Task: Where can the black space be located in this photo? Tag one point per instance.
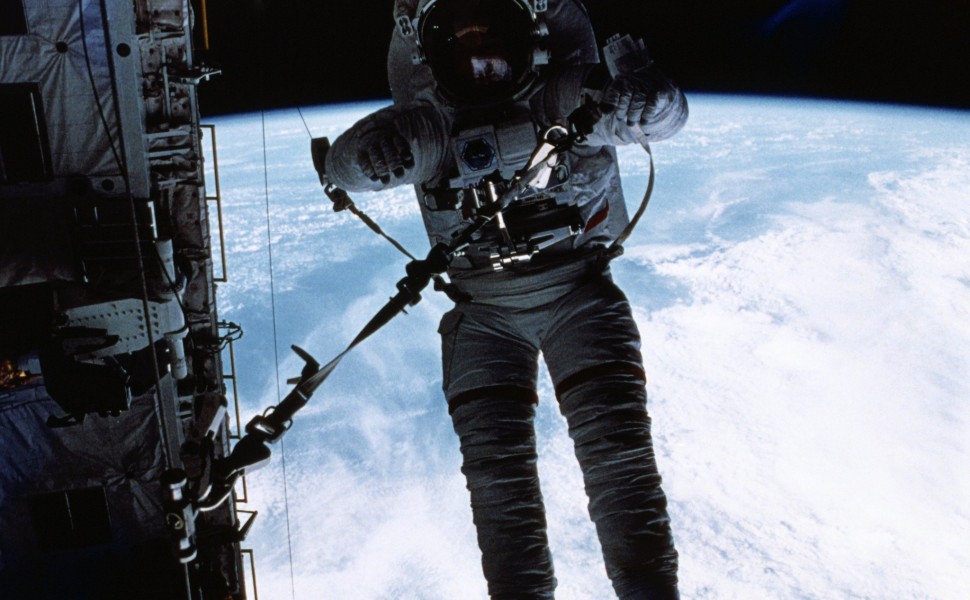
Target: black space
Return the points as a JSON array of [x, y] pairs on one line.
[[284, 53]]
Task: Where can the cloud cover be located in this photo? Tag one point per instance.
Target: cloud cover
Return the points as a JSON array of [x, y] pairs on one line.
[[802, 285]]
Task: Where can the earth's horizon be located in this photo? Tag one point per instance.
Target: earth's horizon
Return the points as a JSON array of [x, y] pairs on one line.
[[801, 282]]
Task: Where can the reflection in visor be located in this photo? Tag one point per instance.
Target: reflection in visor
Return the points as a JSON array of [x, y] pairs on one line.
[[479, 51], [490, 69]]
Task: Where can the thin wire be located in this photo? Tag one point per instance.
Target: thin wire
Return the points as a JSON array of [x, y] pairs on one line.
[[300, 110], [362, 215], [94, 88], [440, 284], [276, 354]]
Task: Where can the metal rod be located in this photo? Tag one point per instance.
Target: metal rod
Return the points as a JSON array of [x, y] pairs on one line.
[[244, 499], [235, 392], [218, 199], [252, 569]]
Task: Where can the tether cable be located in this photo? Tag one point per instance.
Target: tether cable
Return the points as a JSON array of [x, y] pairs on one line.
[[341, 201], [276, 353], [615, 249], [277, 420], [299, 110]]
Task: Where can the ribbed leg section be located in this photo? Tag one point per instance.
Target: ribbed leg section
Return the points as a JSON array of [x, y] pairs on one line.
[[610, 428], [499, 450]]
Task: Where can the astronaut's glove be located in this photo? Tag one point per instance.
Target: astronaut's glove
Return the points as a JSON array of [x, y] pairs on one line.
[[384, 152], [631, 99]]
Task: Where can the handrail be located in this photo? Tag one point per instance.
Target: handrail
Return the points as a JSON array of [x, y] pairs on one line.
[[252, 569], [218, 200], [244, 499], [235, 416], [235, 394]]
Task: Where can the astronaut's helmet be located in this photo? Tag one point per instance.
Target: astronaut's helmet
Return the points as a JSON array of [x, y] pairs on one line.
[[480, 51]]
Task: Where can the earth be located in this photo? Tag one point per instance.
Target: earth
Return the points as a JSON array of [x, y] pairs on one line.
[[801, 281]]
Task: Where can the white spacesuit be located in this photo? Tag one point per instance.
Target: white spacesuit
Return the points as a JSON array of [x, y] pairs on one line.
[[475, 82]]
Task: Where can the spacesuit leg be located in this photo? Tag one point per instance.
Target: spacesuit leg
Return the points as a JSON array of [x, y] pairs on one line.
[[499, 451], [489, 380], [609, 425], [593, 356]]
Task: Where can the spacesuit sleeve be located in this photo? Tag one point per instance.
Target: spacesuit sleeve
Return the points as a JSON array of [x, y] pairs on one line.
[[420, 124], [569, 89]]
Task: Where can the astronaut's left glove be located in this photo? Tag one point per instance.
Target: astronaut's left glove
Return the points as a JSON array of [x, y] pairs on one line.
[[632, 98], [644, 103]]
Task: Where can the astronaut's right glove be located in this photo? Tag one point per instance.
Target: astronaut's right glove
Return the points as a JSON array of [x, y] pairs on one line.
[[383, 152]]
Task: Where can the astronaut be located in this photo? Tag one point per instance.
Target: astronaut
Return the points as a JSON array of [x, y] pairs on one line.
[[475, 84]]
